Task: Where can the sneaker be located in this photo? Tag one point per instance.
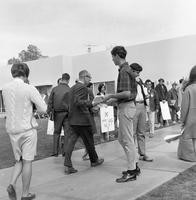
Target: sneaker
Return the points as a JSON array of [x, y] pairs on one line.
[[28, 197], [98, 162]]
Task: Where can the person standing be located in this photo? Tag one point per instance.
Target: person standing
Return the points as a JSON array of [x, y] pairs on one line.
[[58, 107], [80, 120], [125, 96], [187, 144], [139, 121], [152, 106], [173, 102], [19, 98], [162, 94]]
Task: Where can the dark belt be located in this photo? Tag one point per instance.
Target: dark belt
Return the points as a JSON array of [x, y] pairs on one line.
[[139, 102]]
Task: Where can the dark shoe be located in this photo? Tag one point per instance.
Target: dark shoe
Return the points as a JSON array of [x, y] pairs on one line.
[[55, 154], [70, 170], [137, 170], [29, 197], [127, 177], [99, 162], [11, 192], [145, 158]]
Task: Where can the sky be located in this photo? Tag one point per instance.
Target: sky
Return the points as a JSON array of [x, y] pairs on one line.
[[67, 27]]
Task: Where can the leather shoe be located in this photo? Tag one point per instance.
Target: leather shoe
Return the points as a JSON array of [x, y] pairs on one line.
[[28, 197], [98, 162], [127, 177], [137, 171], [11, 192], [70, 170], [145, 158]]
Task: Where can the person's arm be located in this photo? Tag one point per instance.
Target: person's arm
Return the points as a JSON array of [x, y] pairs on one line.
[[185, 106], [50, 102], [37, 100]]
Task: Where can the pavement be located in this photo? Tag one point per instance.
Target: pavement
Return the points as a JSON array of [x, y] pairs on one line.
[[50, 183]]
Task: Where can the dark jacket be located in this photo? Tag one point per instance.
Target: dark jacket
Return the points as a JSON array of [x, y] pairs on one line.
[[173, 95], [162, 92], [79, 105], [58, 100], [153, 100]]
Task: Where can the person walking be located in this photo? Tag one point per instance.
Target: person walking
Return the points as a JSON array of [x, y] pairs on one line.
[[19, 98], [125, 96], [58, 107], [80, 120]]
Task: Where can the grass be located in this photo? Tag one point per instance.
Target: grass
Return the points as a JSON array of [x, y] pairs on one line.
[[181, 187], [44, 145]]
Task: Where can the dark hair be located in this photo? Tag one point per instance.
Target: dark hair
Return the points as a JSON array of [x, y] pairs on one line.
[[65, 76], [100, 86], [58, 81], [147, 81], [136, 67], [192, 77], [181, 80], [20, 69], [161, 79], [120, 51]]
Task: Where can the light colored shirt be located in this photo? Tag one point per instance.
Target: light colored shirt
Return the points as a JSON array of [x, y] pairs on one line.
[[139, 96], [19, 98]]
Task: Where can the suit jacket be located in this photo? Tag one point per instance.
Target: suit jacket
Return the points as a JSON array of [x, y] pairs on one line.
[[79, 105], [153, 100]]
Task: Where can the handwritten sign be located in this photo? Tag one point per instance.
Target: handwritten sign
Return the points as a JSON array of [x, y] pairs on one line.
[[50, 128], [165, 111], [107, 118]]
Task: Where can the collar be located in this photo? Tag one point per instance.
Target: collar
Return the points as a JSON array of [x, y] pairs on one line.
[[123, 65], [18, 80]]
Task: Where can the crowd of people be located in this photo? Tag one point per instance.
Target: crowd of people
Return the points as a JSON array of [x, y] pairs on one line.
[[73, 109]]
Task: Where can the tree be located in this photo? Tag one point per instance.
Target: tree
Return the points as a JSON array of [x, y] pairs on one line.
[[32, 53], [13, 60]]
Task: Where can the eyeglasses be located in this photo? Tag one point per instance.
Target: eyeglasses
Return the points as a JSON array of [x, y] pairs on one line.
[[88, 76]]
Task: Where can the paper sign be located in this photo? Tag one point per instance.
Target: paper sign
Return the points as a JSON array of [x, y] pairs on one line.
[[107, 118], [165, 111], [50, 128]]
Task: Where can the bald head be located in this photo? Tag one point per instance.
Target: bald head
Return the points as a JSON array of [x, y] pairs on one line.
[[84, 76]]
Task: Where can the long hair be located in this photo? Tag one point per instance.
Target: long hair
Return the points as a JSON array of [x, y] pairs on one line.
[[192, 77]]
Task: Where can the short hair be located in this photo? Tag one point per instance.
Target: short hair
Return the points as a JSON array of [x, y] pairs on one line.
[[20, 69], [65, 76], [181, 80], [58, 81], [100, 86], [161, 79], [120, 51], [83, 73], [147, 81], [136, 67]]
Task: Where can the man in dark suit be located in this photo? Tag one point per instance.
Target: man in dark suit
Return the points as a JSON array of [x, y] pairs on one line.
[[80, 122], [58, 107]]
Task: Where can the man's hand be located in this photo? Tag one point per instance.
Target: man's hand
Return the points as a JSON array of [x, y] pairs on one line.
[[107, 97]]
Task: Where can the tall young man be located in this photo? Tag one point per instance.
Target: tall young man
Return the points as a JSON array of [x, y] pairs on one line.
[[125, 96]]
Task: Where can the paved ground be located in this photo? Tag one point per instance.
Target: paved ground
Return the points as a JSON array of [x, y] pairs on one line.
[[50, 183]]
